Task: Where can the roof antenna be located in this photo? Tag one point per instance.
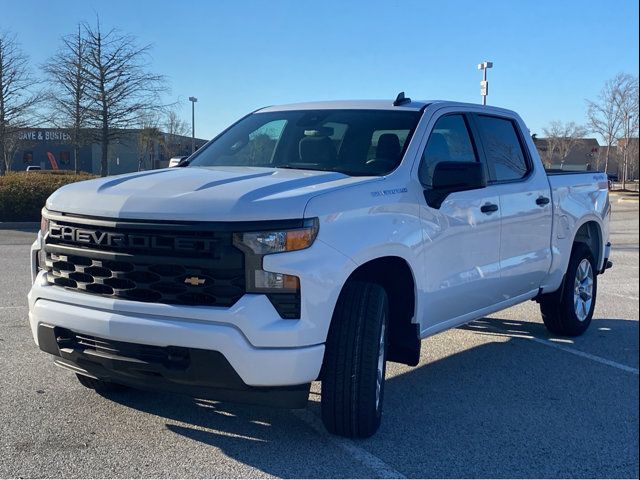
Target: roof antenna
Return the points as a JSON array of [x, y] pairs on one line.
[[401, 100]]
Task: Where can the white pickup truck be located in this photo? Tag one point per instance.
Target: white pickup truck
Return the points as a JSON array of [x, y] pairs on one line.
[[312, 242]]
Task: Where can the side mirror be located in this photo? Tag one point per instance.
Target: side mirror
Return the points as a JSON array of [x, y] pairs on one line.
[[450, 177]]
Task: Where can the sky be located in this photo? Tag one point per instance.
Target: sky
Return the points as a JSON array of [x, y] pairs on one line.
[[237, 56]]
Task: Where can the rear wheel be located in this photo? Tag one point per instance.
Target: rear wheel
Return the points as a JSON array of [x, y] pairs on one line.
[[100, 386], [355, 362], [569, 311]]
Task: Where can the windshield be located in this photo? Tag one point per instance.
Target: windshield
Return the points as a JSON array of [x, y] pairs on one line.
[[353, 142]]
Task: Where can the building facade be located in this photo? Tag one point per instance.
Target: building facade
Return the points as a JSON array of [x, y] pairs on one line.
[[586, 154], [52, 149]]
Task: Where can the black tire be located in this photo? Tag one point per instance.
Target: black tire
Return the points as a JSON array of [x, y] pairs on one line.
[[559, 311], [351, 402], [100, 386]]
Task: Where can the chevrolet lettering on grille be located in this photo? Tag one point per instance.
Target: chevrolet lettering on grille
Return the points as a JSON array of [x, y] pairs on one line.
[[99, 238]]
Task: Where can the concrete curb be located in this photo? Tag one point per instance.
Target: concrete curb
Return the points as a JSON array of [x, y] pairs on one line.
[[19, 225]]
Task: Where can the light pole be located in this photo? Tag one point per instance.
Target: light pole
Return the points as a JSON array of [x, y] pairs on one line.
[[193, 101], [484, 84]]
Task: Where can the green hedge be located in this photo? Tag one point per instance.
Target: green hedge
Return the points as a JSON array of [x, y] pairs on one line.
[[23, 194]]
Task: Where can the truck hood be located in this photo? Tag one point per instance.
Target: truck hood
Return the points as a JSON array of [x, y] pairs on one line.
[[200, 194]]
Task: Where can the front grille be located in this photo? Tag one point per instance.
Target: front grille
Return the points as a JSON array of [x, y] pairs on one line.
[[160, 275]]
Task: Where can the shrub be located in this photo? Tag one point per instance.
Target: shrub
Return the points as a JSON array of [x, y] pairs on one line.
[[23, 194]]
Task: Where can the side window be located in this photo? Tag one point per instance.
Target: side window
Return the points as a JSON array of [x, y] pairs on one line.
[[449, 141], [502, 148]]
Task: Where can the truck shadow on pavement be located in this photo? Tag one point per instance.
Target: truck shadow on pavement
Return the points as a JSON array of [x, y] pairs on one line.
[[507, 407]]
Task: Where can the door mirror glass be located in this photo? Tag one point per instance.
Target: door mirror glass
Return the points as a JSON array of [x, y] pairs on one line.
[[450, 177]]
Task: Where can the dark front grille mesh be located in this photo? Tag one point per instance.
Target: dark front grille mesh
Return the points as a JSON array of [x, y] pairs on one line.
[[213, 278], [146, 282]]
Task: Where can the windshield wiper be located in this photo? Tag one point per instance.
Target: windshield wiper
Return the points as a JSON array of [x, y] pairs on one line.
[[316, 169]]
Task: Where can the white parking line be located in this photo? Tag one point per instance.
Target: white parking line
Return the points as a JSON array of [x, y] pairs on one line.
[[623, 296], [13, 308], [382, 469], [564, 348], [582, 354]]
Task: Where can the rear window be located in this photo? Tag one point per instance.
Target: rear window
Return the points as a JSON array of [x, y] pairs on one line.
[[503, 149], [354, 142]]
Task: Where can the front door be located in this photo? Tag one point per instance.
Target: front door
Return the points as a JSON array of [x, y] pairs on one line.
[[462, 247]]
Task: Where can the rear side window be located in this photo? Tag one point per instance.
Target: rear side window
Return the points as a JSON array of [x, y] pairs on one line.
[[503, 149], [449, 141]]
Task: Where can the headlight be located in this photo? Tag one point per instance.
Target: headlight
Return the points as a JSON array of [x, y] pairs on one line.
[[256, 245], [264, 243], [276, 282], [42, 260], [44, 225], [44, 229]]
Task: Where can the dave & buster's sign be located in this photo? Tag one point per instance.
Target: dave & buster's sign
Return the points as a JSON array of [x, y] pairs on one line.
[[44, 135]]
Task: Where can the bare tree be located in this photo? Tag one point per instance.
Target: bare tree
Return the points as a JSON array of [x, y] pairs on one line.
[[546, 148], [633, 152], [67, 96], [175, 130], [18, 97], [12, 143], [149, 139], [604, 118], [626, 101], [121, 88], [561, 138]]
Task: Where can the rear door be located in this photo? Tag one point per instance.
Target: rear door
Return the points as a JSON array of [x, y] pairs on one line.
[[525, 204], [462, 247]]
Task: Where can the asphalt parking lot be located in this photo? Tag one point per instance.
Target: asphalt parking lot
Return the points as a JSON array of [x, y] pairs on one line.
[[496, 398]]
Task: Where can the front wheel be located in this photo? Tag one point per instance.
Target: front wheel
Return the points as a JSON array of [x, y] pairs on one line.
[[569, 311], [355, 361]]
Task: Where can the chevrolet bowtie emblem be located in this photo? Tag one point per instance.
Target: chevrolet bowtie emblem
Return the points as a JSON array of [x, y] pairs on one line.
[[194, 281]]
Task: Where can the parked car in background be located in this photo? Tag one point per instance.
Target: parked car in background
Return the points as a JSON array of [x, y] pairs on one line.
[[175, 161], [312, 242], [34, 168]]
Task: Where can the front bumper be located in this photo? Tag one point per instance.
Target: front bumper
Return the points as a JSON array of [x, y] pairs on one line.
[[256, 366], [196, 372]]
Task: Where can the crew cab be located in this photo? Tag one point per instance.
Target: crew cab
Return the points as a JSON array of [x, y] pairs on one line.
[[314, 241]]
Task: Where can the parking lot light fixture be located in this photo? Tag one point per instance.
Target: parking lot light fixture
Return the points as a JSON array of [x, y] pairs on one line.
[[193, 101], [484, 84]]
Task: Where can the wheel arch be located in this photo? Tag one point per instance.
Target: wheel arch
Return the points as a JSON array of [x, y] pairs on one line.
[[590, 233], [394, 274]]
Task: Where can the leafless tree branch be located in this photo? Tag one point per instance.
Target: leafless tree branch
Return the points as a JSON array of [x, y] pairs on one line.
[[120, 87], [19, 97]]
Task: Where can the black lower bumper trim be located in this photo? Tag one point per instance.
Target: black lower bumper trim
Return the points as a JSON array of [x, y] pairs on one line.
[[191, 371]]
